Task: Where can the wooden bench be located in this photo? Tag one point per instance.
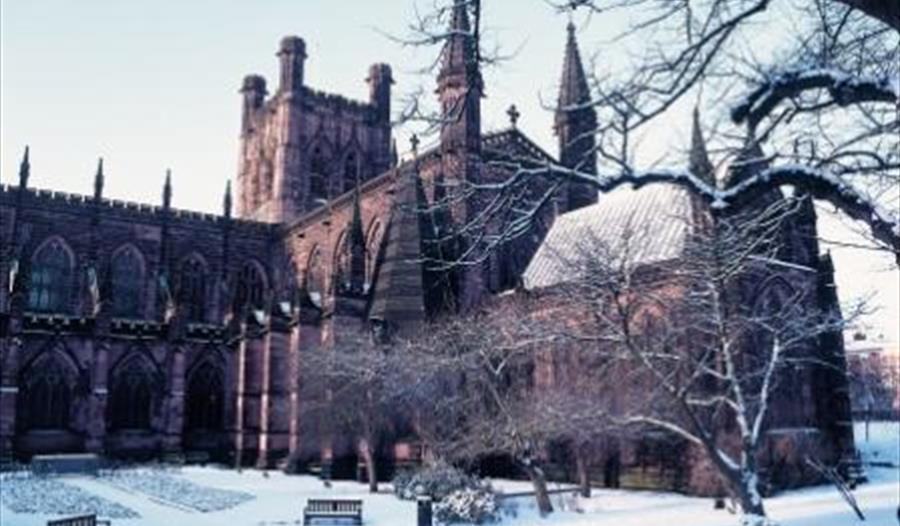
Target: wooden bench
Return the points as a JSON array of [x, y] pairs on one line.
[[81, 520], [332, 509]]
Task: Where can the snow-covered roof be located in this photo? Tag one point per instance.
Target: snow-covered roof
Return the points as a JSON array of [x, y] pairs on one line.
[[651, 224]]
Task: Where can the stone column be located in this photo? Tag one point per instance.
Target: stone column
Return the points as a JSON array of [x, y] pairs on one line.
[[294, 390], [239, 366], [174, 406], [306, 337], [247, 410], [96, 431], [10, 351], [274, 429]]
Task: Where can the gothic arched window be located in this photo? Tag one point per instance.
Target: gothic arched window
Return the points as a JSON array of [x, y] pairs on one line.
[[205, 399], [192, 290], [46, 396], [127, 283], [266, 174], [314, 280], [342, 263], [351, 171], [51, 278], [131, 396], [250, 289], [318, 177], [373, 240]]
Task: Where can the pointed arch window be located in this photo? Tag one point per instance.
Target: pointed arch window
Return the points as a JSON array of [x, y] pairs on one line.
[[267, 174], [192, 290], [314, 280], [317, 175], [250, 289], [342, 263], [127, 283], [351, 171], [373, 241], [205, 399], [131, 397], [51, 277], [46, 396]]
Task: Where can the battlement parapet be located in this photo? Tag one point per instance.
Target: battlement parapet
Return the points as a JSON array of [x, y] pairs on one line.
[[337, 103], [126, 210]]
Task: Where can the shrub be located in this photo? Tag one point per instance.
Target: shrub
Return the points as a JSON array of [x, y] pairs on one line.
[[477, 506], [436, 481]]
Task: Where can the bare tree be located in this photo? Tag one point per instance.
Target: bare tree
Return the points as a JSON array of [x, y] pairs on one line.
[[354, 388], [708, 359], [823, 103], [823, 106], [483, 372]]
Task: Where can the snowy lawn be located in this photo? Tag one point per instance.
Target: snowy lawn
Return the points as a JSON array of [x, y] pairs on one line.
[[173, 490], [21, 493], [253, 498]]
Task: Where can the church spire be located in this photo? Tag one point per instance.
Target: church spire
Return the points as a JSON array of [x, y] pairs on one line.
[[460, 84], [573, 87], [398, 304], [459, 51], [698, 160], [575, 126]]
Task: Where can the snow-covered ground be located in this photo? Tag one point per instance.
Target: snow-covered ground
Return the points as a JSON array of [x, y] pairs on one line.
[[254, 498]]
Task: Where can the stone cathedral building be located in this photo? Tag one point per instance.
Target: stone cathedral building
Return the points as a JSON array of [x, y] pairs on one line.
[[134, 329]]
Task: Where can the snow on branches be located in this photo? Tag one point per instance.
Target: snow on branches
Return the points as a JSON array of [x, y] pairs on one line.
[[844, 90]]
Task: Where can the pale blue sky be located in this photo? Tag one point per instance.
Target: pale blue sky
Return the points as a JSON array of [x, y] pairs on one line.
[[150, 85]]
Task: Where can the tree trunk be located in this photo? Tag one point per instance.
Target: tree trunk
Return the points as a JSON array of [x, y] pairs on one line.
[[744, 483], [369, 460], [582, 471], [751, 500], [539, 481], [754, 514]]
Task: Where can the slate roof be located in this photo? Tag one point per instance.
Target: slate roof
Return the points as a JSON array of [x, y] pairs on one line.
[[655, 220], [398, 298]]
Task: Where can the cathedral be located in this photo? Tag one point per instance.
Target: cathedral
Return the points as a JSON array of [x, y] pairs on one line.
[[139, 330]]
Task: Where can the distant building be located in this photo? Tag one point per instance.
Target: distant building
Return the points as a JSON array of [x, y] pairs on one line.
[[873, 365]]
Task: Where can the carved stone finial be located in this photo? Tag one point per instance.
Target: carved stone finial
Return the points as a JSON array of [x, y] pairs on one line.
[[24, 170], [226, 201], [98, 181], [167, 190], [394, 156]]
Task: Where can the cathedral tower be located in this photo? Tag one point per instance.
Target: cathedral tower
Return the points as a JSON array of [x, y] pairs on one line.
[[301, 148]]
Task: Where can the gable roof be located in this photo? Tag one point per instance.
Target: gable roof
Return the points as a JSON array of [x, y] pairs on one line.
[[652, 223]]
